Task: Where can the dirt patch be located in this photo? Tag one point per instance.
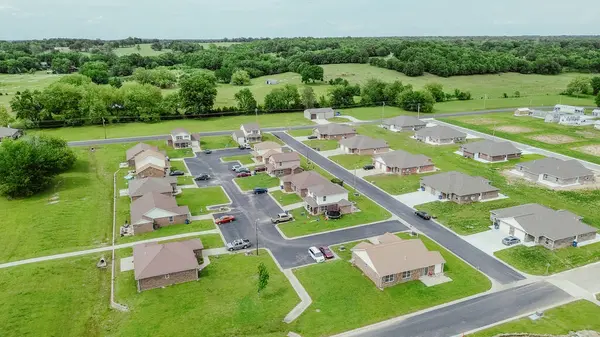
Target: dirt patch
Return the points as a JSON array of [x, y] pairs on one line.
[[514, 129], [587, 134], [553, 139], [480, 121], [594, 150]]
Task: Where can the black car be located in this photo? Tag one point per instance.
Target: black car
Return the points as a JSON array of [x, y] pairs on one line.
[[423, 215], [176, 173], [260, 190], [368, 167], [207, 151], [311, 137], [202, 176]]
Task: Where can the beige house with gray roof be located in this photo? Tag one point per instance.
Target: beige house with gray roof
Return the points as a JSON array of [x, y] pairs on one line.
[[555, 172], [137, 149], [458, 187], [404, 123], [364, 145], [491, 151], [541, 225], [140, 187], [327, 197], [281, 164], [300, 182], [402, 162], [334, 131], [155, 210], [440, 135]]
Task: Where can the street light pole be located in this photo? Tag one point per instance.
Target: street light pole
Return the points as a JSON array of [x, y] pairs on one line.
[[418, 110], [256, 230], [382, 112], [256, 114], [104, 126]]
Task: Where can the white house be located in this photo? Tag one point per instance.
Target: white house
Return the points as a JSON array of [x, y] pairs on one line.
[[248, 133], [523, 112], [181, 138], [596, 112], [569, 109], [327, 197], [320, 113]]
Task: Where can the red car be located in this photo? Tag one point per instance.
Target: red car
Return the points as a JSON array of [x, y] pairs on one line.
[[260, 168], [243, 174], [326, 252], [224, 219]]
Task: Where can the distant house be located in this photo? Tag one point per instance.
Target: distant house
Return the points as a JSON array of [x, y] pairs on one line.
[[150, 163], [569, 109], [402, 162], [491, 151], [9, 133], [248, 133], [280, 164], [596, 112], [263, 148], [158, 265], [541, 225], [440, 135], [181, 139], [334, 131], [523, 112], [327, 197], [155, 210], [553, 171], [140, 187], [321, 113], [364, 145], [404, 123], [137, 149], [271, 81], [458, 187], [300, 182], [392, 260]]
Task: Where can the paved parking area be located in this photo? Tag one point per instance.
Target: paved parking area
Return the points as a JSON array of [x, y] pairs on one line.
[[488, 241], [416, 198]]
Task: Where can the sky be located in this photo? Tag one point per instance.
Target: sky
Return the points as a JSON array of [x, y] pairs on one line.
[[203, 19]]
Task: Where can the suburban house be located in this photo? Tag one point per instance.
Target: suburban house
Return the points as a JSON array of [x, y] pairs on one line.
[[137, 149], [9, 133], [158, 265], [140, 187], [403, 163], [155, 210], [248, 133], [392, 260], [280, 164], [541, 225], [596, 113], [181, 139], [491, 151], [300, 182], [263, 148], [364, 145], [553, 171], [404, 123], [440, 135], [150, 163], [458, 187], [320, 113], [523, 112], [334, 131], [569, 109], [327, 197]]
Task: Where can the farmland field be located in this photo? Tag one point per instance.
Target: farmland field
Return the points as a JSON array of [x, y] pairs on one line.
[[10, 84]]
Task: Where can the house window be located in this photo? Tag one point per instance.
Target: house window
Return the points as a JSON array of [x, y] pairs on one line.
[[388, 278], [170, 219], [179, 138], [167, 276], [324, 198], [405, 275], [281, 164]]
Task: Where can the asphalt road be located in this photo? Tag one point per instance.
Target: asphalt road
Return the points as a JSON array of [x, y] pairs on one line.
[[255, 211], [487, 264], [465, 316]]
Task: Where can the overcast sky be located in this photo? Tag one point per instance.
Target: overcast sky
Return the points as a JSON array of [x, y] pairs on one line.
[[173, 19]]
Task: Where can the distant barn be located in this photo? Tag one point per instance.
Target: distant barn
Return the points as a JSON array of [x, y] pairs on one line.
[[272, 82]]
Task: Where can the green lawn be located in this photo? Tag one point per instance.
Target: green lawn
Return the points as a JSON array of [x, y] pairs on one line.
[[301, 132], [144, 50], [259, 180], [171, 152], [575, 316], [212, 241], [244, 159], [268, 137], [322, 144], [396, 184], [198, 199], [223, 302], [374, 113], [11, 83], [286, 198], [352, 161], [194, 226], [217, 142], [67, 297], [533, 260], [336, 286], [185, 180], [178, 166]]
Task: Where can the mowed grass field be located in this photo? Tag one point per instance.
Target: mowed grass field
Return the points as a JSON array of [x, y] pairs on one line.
[[11, 83]]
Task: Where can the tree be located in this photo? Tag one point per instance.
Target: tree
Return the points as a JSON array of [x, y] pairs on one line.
[[29, 165], [115, 82], [143, 101], [342, 95], [517, 94], [198, 93], [598, 100], [373, 92], [263, 277], [462, 95], [171, 104], [311, 73], [421, 101], [240, 77], [308, 97], [245, 100], [5, 117], [61, 65], [285, 98], [137, 47], [414, 68], [595, 83], [75, 79], [97, 71], [156, 46], [28, 106], [580, 85], [437, 91]]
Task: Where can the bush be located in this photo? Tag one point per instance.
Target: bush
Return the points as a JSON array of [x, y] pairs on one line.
[[240, 77]]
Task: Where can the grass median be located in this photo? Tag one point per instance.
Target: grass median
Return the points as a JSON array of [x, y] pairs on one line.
[[199, 199], [244, 159], [322, 144], [262, 180], [285, 199]]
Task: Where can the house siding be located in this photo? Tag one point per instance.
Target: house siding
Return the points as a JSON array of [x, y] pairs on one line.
[[166, 280], [336, 137], [151, 172], [462, 199], [143, 228], [177, 220]]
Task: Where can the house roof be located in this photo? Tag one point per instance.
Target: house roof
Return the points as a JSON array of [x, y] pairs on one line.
[[238, 134], [403, 159], [155, 259], [335, 129], [150, 157], [458, 183], [404, 121], [268, 145], [564, 169], [251, 126], [163, 205], [319, 110], [150, 153], [284, 157], [538, 220], [139, 148], [440, 132], [305, 179], [491, 148], [139, 187], [326, 188], [178, 131], [363, 143], [396, 256], [7, 132], [269, 153]]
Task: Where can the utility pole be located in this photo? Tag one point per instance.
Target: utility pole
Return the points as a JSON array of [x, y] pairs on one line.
[[382, 112], [256, 114], [256, 230], [418, 110], [484, 101], [104, 126]]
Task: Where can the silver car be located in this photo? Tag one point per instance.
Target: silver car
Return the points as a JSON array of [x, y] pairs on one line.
[[510, 240]]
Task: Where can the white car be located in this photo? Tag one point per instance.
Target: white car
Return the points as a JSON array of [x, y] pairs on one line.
[[235, 167], [316, 254]]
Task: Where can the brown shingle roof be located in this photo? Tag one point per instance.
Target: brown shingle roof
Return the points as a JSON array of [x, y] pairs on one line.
[[305, 179], [154, 259], [139, 148], [268, 145], [140, 208], [150, 152], [139, 187], [251, 126], [363, 143], [326, 188]]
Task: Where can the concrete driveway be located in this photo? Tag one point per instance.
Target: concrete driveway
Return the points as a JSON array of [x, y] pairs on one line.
[[416, 198], [489, 241]]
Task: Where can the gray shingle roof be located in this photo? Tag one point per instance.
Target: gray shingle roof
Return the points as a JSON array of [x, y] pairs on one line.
[[335, 129], [327, 188], [363, 143], [139, 148], [405, 121], [440, 132], [491, 148], [538, 220], [285, 157], [403, 159], [458, 183], [7, 132], [251, 126], [139, 187], [319, 110], [154, 259], [564, 169]]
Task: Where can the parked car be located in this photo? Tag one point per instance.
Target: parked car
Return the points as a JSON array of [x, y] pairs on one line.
[[368, 167], [202, 176], [238, 244], [282, 217], [244, 147], [312, 137], [423, 215], [260, 190], [235, 167], [332, 215], [260, 168], [316, 254], [224, 219], [326, 252], [243, 174], [176, 173], [207, 151], [510, 240], [242, 169]]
